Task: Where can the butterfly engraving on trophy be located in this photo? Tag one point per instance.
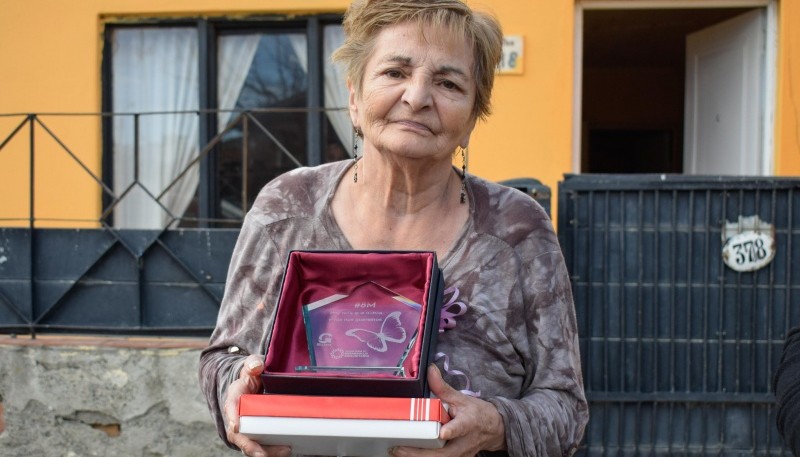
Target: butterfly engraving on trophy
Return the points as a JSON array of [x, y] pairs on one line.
[[368, 329], [391, 331]]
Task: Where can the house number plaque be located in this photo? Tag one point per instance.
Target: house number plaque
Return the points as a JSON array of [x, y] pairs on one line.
[[749, 250]]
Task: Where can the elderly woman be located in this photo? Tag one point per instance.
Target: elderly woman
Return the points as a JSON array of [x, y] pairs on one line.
[[420, 73]]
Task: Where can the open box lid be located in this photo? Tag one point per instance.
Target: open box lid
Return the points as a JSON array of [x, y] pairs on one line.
[[313, 277]]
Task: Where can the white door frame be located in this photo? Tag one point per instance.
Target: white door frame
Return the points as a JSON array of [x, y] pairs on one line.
[[770, 72]]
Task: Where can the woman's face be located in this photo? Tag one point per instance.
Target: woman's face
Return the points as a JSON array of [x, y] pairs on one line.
[[417, 93]]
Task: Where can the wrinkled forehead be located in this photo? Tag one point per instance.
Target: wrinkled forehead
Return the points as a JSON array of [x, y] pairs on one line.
[[448, 33], [426, 36]]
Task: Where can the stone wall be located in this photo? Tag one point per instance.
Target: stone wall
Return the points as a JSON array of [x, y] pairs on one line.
[[75, 397]]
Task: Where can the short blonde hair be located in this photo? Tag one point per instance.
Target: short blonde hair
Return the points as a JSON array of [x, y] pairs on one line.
[[364, 19]]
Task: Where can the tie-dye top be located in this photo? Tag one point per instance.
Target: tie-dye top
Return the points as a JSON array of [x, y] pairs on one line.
[[509, 331]]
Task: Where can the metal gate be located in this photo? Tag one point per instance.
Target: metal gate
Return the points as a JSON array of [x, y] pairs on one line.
[[678, 349], [161, 282]]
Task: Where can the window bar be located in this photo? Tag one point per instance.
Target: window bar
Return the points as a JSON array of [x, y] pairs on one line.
[[689, 315], [136, 148], [788, 296], [673, 236], [621, 309], [208, 200], [704, 414], [656, 283], [769, 319], [245, 161], [606, 315], [654, 329], [589, 284], [754, 293], [790, 233], [606, 291], [771, 296], [31, 208], [314, 100], [721, 332], [721, 421], [690, 285], [738, 325], [139, 261], [594, 340], [672, 322], [754, 333], [31, 132], [637, 433]]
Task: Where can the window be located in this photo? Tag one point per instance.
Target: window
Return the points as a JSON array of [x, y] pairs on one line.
[[206, 112]]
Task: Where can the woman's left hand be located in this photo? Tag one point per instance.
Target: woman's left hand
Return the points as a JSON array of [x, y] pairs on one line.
[[475, 424]]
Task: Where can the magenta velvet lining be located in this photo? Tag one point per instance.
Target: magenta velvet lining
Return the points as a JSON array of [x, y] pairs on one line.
[[311, 276]]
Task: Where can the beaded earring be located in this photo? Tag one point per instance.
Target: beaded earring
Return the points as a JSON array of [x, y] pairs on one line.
[[463, 175], [357, 134]]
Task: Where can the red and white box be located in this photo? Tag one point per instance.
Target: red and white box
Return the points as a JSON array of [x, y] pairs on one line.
[[342, 426]]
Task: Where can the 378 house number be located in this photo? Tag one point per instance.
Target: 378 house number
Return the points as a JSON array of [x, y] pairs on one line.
[[748, 251]]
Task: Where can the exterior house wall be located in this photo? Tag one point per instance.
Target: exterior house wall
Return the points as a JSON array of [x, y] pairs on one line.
[[51, 53]]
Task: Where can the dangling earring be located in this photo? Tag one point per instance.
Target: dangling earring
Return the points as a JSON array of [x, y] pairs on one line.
[[357, 135], [463, 175]]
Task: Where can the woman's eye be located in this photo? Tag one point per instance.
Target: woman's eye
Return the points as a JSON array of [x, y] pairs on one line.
[[393, 73], [447, 84]]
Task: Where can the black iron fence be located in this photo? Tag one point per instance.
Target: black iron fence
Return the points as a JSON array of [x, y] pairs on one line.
[[678, 347], [110, 278]]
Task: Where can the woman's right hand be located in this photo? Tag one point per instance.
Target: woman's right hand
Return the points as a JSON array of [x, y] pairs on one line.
[[249, 382]]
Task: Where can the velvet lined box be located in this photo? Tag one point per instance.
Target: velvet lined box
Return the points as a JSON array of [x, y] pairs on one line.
[[313, 276], [345, 426]]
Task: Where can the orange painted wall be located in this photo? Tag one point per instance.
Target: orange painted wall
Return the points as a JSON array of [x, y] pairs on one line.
[[787, 116], [50, 55], [530, 131]]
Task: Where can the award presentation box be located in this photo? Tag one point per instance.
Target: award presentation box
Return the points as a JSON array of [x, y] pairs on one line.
[[351, 426], [313, 277]]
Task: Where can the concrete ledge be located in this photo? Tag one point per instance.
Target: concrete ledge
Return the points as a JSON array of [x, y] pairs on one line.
[[96, 396], [104, 341]]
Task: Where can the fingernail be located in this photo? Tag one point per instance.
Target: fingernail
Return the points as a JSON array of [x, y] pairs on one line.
[[253, 364]]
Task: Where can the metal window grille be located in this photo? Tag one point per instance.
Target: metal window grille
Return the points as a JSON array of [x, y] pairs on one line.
[[678, 350]]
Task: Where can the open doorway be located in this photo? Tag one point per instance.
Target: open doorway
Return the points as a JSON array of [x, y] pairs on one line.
[[633, 112]]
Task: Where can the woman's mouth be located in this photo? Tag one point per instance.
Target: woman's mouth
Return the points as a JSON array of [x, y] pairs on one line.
[[413, 125]]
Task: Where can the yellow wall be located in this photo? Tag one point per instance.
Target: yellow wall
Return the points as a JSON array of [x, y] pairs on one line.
[[787, 128], [51, 55], [529, 133]]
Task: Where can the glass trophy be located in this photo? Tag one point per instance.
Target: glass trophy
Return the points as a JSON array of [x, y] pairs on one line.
[[369, 330]]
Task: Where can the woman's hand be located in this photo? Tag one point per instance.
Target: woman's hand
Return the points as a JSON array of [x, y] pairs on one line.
[[249, 382], [475, 425]]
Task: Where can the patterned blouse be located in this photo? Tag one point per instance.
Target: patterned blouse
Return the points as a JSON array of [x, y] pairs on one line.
[[508, 328]]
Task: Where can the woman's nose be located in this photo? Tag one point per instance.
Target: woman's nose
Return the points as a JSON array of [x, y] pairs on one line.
[[417, 93]]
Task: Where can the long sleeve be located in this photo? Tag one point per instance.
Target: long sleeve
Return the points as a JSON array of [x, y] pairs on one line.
[[551, 413], [787, 392], [514, 340]]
